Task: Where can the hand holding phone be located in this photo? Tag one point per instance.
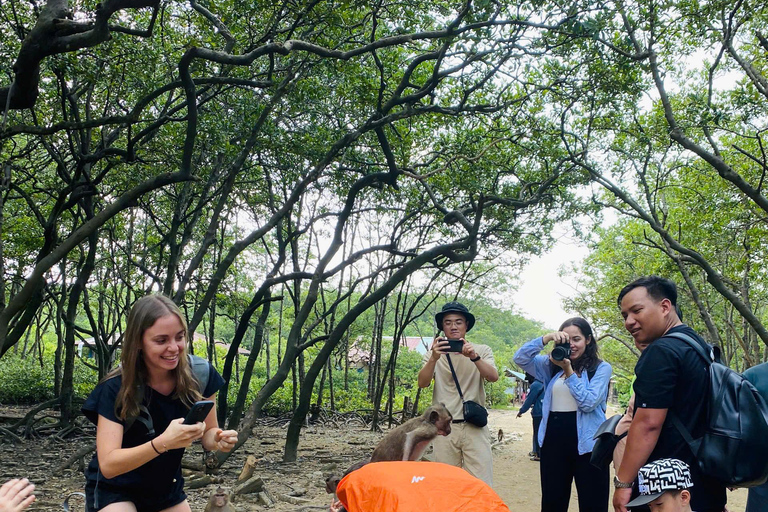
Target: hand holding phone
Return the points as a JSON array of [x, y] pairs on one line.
[[455, 345], [198, 412]]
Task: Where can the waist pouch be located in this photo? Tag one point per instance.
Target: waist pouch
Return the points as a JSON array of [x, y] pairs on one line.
[[475, 413], [605, 442]]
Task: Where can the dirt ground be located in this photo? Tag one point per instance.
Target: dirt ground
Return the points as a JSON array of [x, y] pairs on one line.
[[324, 448]]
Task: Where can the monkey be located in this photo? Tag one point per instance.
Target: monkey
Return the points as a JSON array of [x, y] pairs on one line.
[[333, 481], [219, 501], [501, 435], [409, 440], [406, 442]]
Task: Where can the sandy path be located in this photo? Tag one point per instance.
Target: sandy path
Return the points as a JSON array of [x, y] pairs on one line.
[[516, 477]]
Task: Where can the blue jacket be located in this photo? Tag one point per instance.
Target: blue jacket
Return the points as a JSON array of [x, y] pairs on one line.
[[534, 398], [591, 396], [758, 496]]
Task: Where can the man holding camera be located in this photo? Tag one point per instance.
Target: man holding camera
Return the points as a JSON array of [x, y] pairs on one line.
[[468, 365]]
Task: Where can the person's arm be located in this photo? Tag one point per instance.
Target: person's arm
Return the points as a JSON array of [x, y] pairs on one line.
[[621, 428], [115, 460], [427, 372], [487, 370], [641, 440], [484, 364], [594, 395], [527, 357], [215, 438], [533, 395]]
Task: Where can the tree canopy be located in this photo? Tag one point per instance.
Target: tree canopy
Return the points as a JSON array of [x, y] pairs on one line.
[[335, 158]]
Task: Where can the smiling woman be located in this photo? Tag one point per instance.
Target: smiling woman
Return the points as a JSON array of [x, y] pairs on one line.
[[134, 468], [162, 343], [575, 394]]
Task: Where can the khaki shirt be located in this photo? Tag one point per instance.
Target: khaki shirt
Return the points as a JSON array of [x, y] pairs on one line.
[[472, 385]]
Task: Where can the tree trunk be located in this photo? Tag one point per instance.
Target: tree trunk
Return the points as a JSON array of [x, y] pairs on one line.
[[57, 359], [331, 394], [67, 385], [242, 394]]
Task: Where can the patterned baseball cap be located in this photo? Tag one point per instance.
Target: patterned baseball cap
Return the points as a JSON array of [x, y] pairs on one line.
[[660, 476]]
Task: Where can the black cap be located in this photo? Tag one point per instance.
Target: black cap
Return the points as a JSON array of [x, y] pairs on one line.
[[455, 307]]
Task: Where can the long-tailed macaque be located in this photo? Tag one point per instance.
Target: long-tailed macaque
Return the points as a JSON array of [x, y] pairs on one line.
[[409, 440], [219, 502], [406, 442]]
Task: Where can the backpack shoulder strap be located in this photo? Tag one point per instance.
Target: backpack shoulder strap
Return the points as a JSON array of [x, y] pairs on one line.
[[143, 416], [201, 370], [708, 358]]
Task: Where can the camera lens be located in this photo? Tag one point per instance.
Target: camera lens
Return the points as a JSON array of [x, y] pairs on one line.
[[561, 351]]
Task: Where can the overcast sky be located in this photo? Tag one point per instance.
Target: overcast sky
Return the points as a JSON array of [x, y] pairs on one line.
[[539, 296]]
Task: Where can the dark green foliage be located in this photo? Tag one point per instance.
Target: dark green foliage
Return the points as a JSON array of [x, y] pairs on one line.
[[22, 381]]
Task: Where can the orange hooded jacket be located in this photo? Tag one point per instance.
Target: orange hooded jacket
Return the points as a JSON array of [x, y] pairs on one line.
[[413, 486]]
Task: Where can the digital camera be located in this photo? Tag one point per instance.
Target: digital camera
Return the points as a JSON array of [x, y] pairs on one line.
[[561, 351]]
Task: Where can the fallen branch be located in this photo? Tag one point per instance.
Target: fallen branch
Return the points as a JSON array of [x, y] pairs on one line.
[[203, 481]]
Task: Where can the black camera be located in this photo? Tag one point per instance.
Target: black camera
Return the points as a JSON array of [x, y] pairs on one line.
[[561, 351]]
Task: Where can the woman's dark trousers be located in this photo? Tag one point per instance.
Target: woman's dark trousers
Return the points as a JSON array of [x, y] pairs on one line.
[[561, 464]]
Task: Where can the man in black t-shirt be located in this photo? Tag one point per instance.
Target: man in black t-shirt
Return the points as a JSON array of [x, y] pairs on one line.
[[671, 379]]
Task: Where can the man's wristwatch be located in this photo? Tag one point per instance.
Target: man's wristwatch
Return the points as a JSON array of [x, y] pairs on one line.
[[475, 359], [618, 484]]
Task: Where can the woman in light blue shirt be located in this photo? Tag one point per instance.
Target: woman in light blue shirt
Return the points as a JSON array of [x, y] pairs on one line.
[[573, 408]]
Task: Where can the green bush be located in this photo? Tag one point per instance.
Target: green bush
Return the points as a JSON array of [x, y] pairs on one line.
[[22, 381], [280, 402], [495, 395], [84, 380]]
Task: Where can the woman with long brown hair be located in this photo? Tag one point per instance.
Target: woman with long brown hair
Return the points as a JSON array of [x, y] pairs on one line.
[[575, 394], [139, 411]]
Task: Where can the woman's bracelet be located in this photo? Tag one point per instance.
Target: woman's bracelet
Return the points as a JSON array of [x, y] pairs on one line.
[[151, 442]]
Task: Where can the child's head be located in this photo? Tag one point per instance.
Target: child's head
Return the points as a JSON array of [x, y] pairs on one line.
[[664, 486], [672, 501]]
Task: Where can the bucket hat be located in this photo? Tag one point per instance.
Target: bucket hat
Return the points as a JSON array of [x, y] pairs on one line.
[[660, 476], [455, 307]]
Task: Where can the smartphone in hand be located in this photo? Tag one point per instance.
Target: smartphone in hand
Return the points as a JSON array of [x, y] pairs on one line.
[[456, 345], [198, 412]]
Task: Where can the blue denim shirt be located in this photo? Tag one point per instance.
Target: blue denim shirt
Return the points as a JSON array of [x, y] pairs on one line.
[[591, 396]]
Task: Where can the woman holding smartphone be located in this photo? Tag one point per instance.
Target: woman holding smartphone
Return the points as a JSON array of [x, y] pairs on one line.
[[575, 394], [139, 411]]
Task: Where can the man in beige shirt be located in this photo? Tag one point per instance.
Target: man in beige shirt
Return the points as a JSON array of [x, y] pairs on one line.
[[468, 446]]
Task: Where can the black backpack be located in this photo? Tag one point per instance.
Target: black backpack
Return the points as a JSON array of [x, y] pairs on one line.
[[734, 447]]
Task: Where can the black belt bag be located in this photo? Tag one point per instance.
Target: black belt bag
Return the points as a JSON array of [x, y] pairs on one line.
[[474, 413], [605, 442]]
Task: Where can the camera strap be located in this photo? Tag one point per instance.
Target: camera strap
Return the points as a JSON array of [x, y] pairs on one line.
[[455, 379]]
